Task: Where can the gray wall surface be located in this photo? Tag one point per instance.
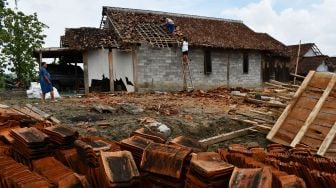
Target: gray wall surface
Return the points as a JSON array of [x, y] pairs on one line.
[[160, 69]]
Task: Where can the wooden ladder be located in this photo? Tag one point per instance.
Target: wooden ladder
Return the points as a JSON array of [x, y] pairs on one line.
[[187, 79]]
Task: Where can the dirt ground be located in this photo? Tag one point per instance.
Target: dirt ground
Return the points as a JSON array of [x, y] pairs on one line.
[[197, 114]]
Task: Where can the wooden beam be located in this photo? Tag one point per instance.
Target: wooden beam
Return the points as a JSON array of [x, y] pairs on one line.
[[135, 69], [290, 106], [226, 136], [38, 111], [297, 61], [256, 117], [327, 141], [314, 112], [86, 72], [256, 101], [296, 75], [111, 75]]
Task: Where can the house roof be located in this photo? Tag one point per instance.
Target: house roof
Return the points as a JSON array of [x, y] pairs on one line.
[[293, 52], [201, 31], [87, 38], [293, 49], [310, 63]]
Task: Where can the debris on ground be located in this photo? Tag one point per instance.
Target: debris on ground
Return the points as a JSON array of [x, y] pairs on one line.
[[211, 140]]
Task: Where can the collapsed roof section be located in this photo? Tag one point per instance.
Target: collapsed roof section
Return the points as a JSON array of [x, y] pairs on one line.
[[88, 38], [200, 31]]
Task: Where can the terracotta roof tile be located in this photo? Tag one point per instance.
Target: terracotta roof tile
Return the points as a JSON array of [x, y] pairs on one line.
[[201, 31], [88, 38]]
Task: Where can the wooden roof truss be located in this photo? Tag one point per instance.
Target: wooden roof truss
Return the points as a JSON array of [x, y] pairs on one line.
[[155, 35]]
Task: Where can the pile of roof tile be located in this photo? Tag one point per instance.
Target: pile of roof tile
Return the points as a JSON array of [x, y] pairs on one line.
[[190, 143], [118, 169], [30, 142], [316, 171], [89, 150], [303, 166], [58, 174], [251, 177], [136, 145], [207, 169], [14, 174], [61, 136], [166, 164]]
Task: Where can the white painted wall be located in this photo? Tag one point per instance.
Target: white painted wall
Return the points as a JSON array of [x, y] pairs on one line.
[[98, 64], [310, 53], [123, 67]]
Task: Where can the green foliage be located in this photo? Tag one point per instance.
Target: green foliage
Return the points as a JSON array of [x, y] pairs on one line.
[[20, 34]]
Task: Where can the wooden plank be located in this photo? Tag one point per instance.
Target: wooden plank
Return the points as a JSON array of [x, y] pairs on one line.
[[226, 136], [111, 75], [298, 76], [280, 86], [290, 107], [38, 111], [314, 112], [321, 82], [327, 141], [29, 113], [3, 106], [86, 72], [256, 117], [256, 101]]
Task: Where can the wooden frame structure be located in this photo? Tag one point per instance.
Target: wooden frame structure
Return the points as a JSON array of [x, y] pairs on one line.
[[155, 35], [310, 118]]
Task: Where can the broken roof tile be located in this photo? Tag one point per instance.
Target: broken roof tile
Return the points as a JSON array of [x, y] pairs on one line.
[[167, 160], [118, 168], [188, 142]]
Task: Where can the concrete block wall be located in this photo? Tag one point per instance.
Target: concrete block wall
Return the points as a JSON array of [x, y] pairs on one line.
[[237, 75], [160, 69]]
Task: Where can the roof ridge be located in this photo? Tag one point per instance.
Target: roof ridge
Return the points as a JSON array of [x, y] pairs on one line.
[[170, 14]]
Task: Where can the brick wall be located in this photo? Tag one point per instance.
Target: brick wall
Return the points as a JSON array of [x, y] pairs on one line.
[[160, 69]]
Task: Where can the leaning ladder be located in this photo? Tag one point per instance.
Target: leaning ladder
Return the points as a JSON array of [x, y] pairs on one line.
[[187, 79]]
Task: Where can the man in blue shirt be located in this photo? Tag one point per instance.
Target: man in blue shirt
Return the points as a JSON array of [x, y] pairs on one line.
[[45, 82]]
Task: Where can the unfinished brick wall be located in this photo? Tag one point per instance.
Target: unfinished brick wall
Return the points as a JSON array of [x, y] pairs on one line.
[[160, 69]]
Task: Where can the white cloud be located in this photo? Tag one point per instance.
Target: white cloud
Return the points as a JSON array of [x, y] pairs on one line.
[[313, 23]]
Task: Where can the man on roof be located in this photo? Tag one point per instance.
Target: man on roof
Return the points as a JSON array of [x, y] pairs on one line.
[[170, 25]]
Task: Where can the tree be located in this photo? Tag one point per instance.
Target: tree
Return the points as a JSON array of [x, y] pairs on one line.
[[20, 35]]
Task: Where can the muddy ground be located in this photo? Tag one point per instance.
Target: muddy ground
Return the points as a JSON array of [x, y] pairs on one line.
[[199, 114]]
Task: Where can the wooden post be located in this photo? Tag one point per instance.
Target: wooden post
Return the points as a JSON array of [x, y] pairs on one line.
[[313, 114], [135, 68], [86, 72], [111, 76], [40, 58], [228, 72], [297, 61]]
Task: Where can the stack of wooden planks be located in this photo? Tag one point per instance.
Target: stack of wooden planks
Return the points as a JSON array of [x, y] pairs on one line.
[[310, 118]]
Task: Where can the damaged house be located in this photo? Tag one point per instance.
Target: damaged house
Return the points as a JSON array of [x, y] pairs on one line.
[[132, 50], [309, 58]]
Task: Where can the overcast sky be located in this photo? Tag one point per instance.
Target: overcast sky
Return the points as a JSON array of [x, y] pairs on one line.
[[286, 20]]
